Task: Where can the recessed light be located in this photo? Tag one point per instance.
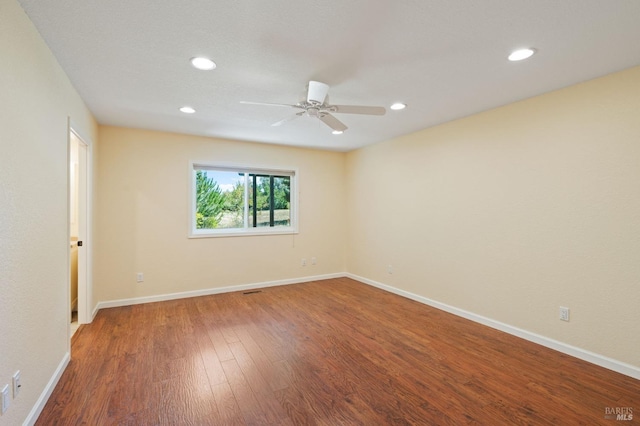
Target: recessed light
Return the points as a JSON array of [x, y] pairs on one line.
[[520, 54], [337, 132], [187, 110], [398, 106], [203, 63]]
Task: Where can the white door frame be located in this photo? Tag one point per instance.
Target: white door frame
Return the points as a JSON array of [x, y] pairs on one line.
[[85, 285]]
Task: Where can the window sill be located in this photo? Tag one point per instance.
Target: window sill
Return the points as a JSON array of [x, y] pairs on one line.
[[241, 232]]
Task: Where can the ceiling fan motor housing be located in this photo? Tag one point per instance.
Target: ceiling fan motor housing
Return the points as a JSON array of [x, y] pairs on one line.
[[317, 92]]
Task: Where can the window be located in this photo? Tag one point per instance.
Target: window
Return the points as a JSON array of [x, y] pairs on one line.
[[242, 201]]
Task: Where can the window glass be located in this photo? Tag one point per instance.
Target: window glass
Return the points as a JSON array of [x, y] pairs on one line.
[[227, 199]]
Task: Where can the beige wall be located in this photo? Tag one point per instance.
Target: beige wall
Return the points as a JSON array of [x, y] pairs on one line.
[[35, 103], [514, 212], [142, 217], [507, 214]]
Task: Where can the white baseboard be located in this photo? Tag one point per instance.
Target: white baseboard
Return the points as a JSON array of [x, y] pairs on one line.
[[48, 390], [94, 313], [585, 355], [209, 291]]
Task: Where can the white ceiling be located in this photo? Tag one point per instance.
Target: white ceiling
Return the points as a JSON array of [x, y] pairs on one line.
[[445, 59]]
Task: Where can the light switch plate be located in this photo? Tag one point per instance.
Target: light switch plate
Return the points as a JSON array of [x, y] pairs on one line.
[[16, 384], [5, 398]]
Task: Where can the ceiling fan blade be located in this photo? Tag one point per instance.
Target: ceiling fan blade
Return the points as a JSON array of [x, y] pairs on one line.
[[357, 109], [332, 122], [286, 120], [317, 92], [270, 104]]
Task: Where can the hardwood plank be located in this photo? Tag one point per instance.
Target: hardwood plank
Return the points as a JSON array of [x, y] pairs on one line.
[[253, 374], [320, 353], [211, 361], [246, 399], [230, 413], [257, 358]]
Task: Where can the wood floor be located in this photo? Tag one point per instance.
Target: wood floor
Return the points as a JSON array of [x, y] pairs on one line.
[[333, 352]]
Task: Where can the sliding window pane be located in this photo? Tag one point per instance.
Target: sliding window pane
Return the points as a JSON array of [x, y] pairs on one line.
[[219, 199], [282, 200]]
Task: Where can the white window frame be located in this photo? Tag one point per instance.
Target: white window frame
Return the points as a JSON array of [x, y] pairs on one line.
[[246, 230]]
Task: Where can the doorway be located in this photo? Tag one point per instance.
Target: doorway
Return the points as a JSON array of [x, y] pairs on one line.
[[79, 294]]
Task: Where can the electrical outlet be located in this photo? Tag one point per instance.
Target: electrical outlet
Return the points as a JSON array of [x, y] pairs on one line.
[[564, 313], [5, 399], [16, 383], [390, 269], [139, 277], [303, 262], [313, 261]]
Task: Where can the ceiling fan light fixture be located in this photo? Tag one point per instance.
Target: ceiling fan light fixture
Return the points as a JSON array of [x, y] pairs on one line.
[[202, 63], [521, 54], [398, 106], [187, 110]]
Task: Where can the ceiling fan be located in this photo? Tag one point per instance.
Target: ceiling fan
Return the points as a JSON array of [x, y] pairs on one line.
[[317, 105]]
